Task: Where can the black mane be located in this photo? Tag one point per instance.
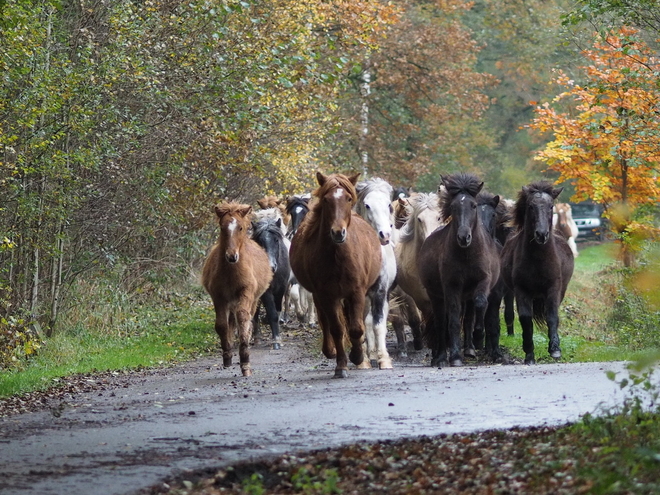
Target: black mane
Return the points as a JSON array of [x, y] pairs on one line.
[[542, 186], [458, 184]]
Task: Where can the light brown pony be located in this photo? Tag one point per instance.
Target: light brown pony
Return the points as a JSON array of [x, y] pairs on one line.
[[236, 273], [335, 255], [274, 202], [564, 224]]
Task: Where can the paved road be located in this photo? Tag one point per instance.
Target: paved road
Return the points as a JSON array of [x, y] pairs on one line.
[[197, 415]]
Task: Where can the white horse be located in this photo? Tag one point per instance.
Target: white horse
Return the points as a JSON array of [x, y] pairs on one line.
[[424, 217], [374, 205], [562, 219]]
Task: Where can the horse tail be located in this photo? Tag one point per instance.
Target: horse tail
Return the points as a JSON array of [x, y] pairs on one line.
[[538, 312], [429, 335]]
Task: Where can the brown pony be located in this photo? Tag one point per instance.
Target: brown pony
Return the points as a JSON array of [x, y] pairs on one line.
[[274, 202], [335, 255], [236, 273]]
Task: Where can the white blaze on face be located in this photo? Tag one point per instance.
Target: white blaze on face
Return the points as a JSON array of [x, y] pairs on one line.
[[298, 209], [232, 226], [338, 193], [463, 199]]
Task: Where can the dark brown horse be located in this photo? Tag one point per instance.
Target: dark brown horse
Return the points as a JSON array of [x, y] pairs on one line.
[[336, 256], [235, 274], [458, 266], [537, 265]]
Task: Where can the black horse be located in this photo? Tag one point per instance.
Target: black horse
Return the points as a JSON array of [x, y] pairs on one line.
[[297, 206], [537, 265], [268, 234], [458, 265], [491, 211]]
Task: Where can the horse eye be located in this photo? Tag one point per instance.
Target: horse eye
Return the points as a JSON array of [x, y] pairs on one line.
[[391, 209], [368, 207]]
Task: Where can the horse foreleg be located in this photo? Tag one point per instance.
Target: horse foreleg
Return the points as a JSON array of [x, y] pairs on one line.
[[552, 319], [396, 318], [453, 312], [492, 325], [225, 332], [470, 331], [328, 348], [437, 329], [415, 323], [525, 312], [509, 313], [244, 323], [370, 356], [329, 313], [380, 312], [354, 317], [480, 307]]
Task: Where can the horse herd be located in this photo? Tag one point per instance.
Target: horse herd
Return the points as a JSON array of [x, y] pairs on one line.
[[446, 259]]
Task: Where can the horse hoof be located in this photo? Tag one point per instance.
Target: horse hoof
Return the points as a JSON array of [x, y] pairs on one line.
[[386, 364], [555, 354], [364, 365], [226, 362], [341, 374], [471, 353], [529, 359], [276, 346], [247, 372], [356, 356], [418, 344], [456, 362]]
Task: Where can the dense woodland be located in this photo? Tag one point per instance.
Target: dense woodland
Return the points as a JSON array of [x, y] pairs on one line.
[[122, 123]]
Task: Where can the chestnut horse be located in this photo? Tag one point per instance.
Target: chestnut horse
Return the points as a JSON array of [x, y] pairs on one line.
[[335, 255], [537, 265], [236, 273]]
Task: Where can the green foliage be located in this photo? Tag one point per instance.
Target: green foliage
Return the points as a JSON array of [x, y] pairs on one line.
[[325, 483], [254, 485]]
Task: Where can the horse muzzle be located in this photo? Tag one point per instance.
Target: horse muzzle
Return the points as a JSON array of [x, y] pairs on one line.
[[231, 258], [541, 237], [464, 239], [338, 237]]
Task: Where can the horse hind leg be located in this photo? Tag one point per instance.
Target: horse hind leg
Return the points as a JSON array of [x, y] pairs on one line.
[[397, 321], [527, 323]]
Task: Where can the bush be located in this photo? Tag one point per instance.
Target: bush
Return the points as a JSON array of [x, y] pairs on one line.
[[18, 341]]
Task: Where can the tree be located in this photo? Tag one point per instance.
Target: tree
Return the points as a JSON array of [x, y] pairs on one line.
[[608, 143]]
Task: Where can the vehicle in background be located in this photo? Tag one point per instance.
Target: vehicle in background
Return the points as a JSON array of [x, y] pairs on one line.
[[589, 219]]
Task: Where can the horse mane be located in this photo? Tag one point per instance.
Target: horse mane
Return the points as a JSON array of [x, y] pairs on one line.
[[376, 184], [520, 209], [456, 184], [234, 209], [267, 224], [332, 181], [267, 213], [297, 200], [417, 203]]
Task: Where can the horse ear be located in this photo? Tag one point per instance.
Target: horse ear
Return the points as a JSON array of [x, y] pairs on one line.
[[321, 179], [263, 204], [245, 211], [480, 187], [556, 192], [279, 223], [496, 201], [354, 178], [219, 210], [402, 201]]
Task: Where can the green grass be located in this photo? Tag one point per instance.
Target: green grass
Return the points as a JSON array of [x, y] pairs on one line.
[[584, 331], [157, 337]]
